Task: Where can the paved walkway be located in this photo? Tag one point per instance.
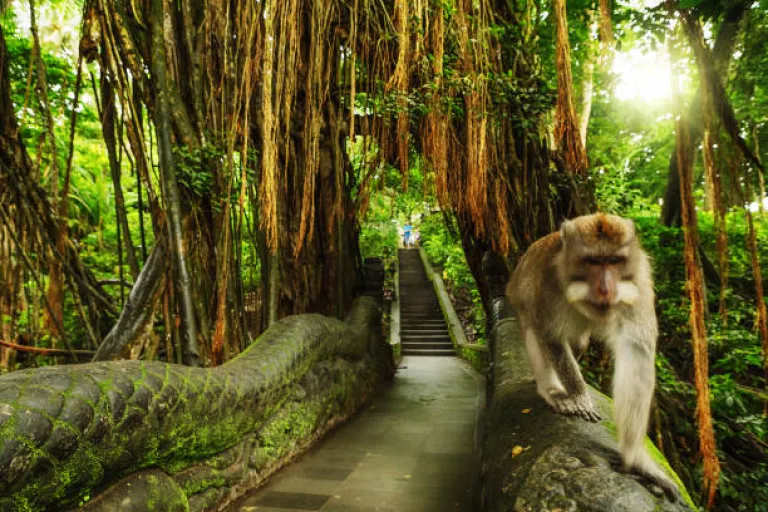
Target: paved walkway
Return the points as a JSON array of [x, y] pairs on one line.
[[411, 450]]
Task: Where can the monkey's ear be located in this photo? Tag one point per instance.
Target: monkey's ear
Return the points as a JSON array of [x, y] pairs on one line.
[[567, 232], [629, 229]]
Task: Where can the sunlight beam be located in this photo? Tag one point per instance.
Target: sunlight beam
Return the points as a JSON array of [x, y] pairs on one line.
[[642, 75]]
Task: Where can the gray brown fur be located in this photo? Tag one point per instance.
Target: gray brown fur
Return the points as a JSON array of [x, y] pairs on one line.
[[556, 330]]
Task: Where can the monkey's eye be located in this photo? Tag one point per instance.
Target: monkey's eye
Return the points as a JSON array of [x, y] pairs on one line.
[[615, 260], [579, 279], [592, 260]]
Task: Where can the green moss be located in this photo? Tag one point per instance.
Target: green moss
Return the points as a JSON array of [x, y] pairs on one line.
[[198, 486], [164, 494], [477, 358], [295, 422]]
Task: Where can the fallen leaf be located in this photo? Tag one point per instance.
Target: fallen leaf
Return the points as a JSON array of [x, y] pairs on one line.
[[517, 450], [526, 411]]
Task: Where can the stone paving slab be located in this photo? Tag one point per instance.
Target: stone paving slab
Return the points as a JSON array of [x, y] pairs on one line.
[[411, 450]]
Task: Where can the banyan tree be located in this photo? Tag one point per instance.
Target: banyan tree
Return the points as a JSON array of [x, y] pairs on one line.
[[236, 119]]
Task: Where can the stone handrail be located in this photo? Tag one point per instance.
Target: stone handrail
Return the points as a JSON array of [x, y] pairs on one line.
[[536, 460], [67, 431], [455, 328], [395, 322], [477, 354]]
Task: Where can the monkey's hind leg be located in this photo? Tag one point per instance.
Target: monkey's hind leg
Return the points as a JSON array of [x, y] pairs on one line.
[[633, 385], [574, 401]]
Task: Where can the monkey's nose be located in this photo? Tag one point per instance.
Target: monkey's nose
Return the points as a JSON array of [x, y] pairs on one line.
[[604, 299]]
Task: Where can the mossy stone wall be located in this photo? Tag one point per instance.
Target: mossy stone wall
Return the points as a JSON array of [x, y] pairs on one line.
[[68, 432]]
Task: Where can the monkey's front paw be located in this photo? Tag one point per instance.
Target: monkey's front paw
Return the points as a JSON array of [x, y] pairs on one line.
[[578, 405]]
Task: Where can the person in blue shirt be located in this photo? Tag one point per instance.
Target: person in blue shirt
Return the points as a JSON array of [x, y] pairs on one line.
[[407, 235]]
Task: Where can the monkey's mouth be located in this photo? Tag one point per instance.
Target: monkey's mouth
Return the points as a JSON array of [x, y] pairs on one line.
[[601, 307]]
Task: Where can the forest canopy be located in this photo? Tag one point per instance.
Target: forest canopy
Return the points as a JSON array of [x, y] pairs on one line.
[[176, 176]]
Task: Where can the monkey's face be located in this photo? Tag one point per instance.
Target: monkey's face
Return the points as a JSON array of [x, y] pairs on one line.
[[598, 264], [600, 283]]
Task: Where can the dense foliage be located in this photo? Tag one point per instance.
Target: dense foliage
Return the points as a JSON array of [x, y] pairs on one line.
[[411, 165]]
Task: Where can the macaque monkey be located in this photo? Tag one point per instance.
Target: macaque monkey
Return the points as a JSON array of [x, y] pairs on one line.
[[592, 279]]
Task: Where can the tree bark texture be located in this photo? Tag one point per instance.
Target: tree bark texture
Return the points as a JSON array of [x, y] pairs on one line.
[[182, 280], [108, 130], [694, 284], [567, 135], [235, 124], [138, 312]]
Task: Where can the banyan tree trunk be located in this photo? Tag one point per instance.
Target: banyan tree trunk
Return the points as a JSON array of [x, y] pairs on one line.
[[231, 123], [182, 280]]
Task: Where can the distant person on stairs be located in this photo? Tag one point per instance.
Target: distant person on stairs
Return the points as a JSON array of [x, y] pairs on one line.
[[407, 235]]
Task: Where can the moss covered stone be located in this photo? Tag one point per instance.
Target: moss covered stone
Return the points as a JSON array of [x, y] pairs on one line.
[[66, 431]]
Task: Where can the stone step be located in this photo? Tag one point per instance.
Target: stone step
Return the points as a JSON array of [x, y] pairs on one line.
[[423, 345], [423, 331], [427, 339], [414, 331], [418, 352]]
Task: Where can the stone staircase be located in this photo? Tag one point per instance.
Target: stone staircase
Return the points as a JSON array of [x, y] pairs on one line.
[[423, 331]]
